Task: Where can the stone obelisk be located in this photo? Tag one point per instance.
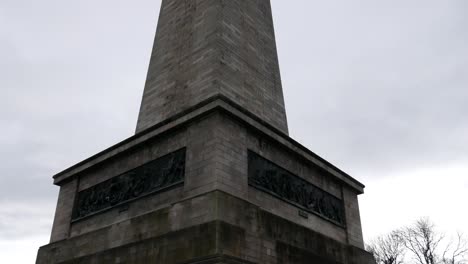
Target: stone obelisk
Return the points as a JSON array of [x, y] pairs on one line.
[[211, 175], [214, 49]]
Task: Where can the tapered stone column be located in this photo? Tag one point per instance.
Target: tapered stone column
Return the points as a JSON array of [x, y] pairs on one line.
[[207, 49]]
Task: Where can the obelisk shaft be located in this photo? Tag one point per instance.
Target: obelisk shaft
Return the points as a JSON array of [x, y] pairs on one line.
[[214, 48]]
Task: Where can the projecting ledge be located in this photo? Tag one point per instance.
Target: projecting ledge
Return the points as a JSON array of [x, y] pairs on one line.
[[192, 114]]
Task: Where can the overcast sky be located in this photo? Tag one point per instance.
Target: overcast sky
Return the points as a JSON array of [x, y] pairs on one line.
[[379, 88]]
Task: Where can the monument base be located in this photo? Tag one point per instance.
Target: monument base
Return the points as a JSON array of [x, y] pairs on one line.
[[187, 191], [242, 233]]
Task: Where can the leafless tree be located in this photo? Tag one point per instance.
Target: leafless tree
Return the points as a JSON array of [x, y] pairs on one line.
[[456, 252], [425, 244], [388, 249], [422, 241]]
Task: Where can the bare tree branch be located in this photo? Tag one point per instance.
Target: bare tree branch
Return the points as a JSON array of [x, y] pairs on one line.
[[388, 249], [457, 254], [422, 241]]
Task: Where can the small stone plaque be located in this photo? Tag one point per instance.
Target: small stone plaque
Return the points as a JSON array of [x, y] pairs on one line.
[[303, 214], [271, 178], [155, 176]]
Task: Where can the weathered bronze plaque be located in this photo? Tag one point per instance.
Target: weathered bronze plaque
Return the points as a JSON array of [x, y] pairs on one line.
[[155, 176], [271, 178]]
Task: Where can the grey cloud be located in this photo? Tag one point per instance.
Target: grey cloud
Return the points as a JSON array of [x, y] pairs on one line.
[[71, 77], [380, 86], [22, 220]]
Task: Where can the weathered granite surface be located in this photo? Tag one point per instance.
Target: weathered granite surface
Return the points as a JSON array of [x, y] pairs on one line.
[[215, 190], [235, 232], [214, 47]]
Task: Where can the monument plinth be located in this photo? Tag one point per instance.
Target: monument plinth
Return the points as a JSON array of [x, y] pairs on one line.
[[211, 176]]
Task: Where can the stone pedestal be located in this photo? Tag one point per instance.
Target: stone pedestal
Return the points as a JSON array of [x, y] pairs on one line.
[[197, 196]]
